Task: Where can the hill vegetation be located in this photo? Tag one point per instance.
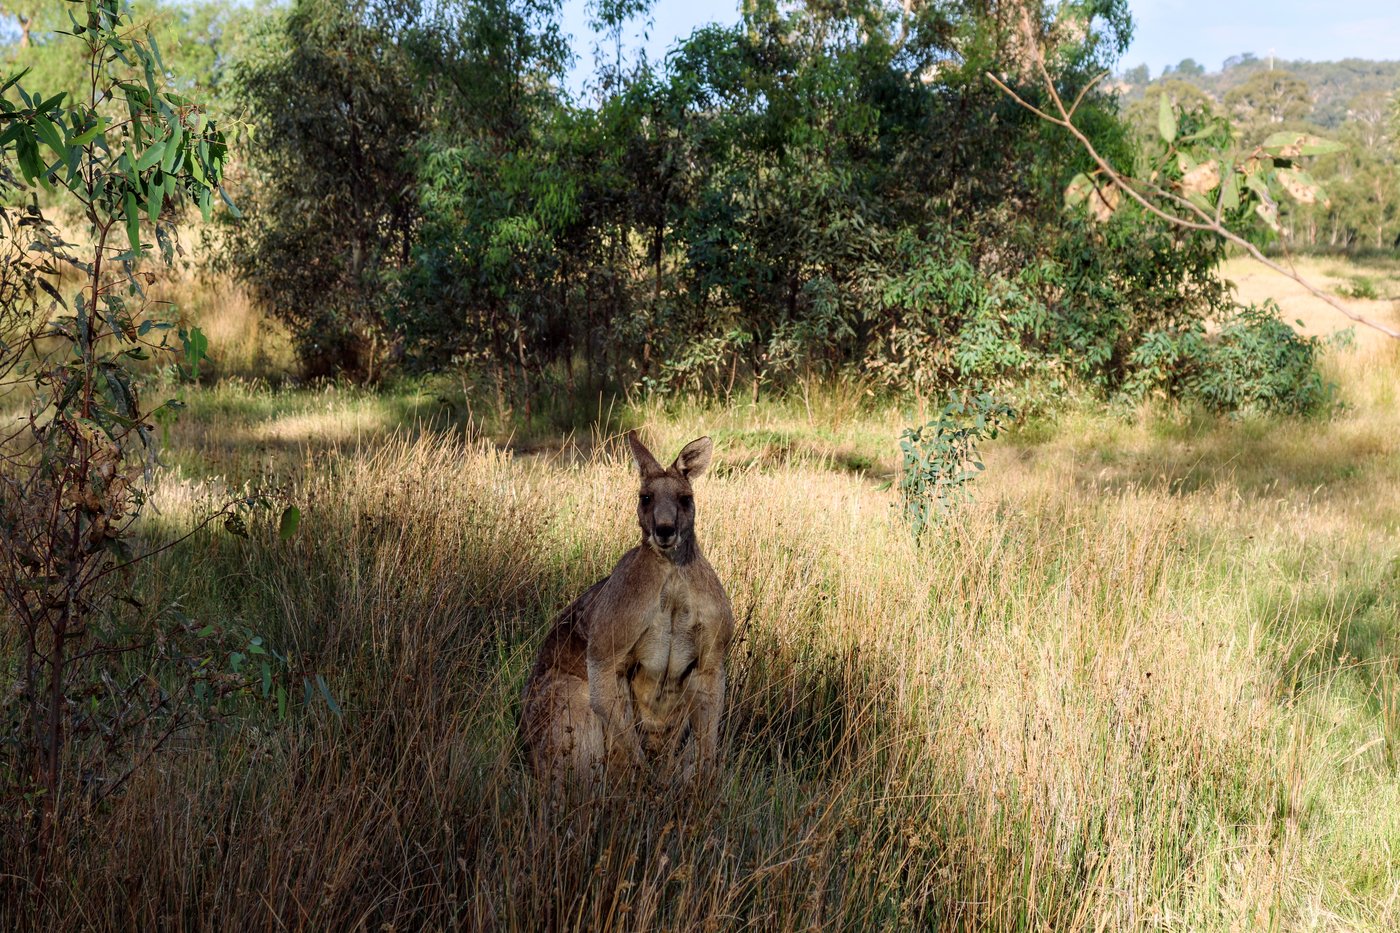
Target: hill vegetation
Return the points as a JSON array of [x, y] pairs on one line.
[[1334, 88]]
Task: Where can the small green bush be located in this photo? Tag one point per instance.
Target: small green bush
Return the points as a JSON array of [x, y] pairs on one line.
[[1361, 286], [941, 459]]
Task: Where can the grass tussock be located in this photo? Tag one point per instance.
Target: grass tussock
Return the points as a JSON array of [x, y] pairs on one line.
[[1149, 679]]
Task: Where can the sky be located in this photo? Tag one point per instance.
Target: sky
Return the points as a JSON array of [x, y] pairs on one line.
[[1165, 31], [670, 20]]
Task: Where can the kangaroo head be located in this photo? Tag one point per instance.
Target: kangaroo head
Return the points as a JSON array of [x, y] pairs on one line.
[[665, 503]]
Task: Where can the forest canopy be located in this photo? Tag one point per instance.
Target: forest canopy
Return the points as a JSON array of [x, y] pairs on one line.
[[816, 189]]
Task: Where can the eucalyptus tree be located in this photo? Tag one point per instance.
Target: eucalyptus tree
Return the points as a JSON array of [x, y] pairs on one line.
[[76, 461], [330, 190]]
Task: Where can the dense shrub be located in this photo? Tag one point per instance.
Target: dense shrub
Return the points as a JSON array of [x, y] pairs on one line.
[[821, 189], [1254, 362], [329, 199]]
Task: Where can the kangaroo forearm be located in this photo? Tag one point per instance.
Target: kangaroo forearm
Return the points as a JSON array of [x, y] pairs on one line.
[[613, 706], [706, 707], [616, 718]]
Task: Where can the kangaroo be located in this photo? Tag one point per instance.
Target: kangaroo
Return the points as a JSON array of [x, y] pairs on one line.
[[631, 675]]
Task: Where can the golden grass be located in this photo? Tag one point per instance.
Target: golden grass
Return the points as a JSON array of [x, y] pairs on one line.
[[243, 341], [1148, 680]]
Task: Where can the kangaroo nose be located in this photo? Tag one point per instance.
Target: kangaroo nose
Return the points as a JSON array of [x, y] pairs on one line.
[[665, 533]]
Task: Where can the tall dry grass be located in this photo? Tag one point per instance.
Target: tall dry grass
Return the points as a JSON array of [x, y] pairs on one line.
[[243, 341], [1148, 680]]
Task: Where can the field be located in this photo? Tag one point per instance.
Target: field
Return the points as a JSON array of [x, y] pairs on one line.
[[1148, 679]]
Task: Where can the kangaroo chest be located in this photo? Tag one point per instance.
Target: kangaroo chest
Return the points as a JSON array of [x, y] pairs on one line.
[[671, 638], [674, 639]]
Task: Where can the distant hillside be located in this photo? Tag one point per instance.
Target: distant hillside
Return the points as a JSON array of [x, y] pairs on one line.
[[1334, 86]]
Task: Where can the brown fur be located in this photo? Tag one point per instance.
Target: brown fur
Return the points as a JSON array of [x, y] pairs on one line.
[[632, 672]]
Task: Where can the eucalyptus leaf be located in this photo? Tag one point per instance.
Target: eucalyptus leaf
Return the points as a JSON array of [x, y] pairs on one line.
[[1291, 145], [290, 521], [1166, 118], [151, 156], [133, 221], [91, 133], [49, 134]]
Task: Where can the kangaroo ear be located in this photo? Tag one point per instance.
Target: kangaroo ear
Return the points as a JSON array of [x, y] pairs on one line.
[[694, 457], [646, 463]]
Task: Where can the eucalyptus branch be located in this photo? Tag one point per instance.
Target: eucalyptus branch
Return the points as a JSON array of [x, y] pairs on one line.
[[73, 493], [1064, 117]]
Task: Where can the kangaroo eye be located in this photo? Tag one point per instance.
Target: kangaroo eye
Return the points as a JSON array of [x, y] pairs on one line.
[[646, 500], [687, 501]]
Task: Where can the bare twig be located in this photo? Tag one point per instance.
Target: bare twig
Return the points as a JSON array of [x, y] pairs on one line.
[[225, 511]]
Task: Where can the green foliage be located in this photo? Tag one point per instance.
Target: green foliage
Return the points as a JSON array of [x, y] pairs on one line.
[[1267, 101], [74, 471], [506, 180], [1143, 113], [329, 193], [1350, 101], [197, 40], [813, 190], [729, 219], [1254, 363], [289, 522], [1195, 169], [940, 459]]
